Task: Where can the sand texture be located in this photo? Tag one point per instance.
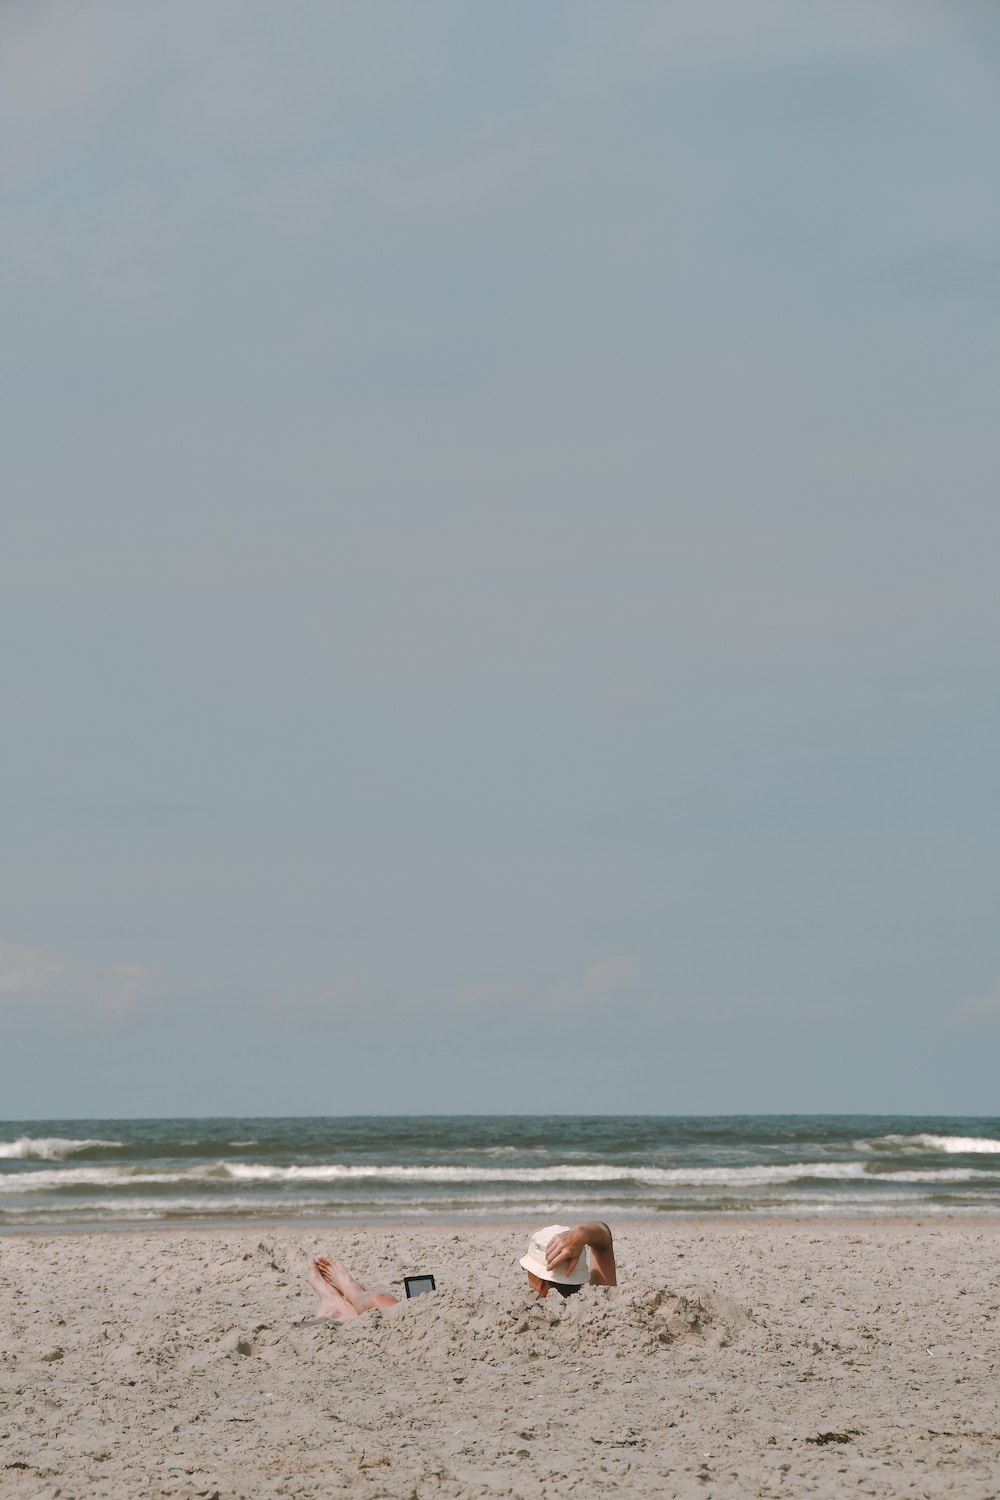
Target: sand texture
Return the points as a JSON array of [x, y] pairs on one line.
[[735, 1359]]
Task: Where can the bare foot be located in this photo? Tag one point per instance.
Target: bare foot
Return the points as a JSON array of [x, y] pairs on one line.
[[332, 1303], [337, 1276]]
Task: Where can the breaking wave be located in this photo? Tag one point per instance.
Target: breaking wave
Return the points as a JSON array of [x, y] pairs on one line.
[[216, 1174], [49, 1148], [952, 1145]]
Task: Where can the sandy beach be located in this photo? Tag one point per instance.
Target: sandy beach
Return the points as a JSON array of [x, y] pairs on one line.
[[736, 1358]]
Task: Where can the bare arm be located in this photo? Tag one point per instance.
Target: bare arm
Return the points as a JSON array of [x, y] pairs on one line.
[[569, 1247]]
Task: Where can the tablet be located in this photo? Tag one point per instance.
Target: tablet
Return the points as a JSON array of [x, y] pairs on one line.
[[416, 1286]]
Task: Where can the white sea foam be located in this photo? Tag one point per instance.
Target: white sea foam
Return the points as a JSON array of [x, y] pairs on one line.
[[482, 1207], [593, 1172], [945, 1174], [664, 1178], [953, 1145], [47, 1148]]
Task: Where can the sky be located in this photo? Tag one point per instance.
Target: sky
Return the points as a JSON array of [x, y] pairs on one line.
[[498, 557]]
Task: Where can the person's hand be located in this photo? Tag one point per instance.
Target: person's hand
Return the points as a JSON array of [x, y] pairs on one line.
[[566, 1247]]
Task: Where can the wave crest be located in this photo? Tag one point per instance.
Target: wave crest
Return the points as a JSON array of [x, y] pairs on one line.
[[48, 1148], [248, 1174], [952, 1145]]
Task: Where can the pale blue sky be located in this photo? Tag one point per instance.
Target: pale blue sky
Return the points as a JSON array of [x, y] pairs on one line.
[[498, 557]]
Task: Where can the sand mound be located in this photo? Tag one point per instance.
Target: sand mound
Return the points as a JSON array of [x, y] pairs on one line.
[[494, 1327]]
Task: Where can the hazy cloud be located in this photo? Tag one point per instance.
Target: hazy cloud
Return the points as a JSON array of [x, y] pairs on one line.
[[598, 982], [974, 1011], [33, 977], [606, 978], [350, 995]]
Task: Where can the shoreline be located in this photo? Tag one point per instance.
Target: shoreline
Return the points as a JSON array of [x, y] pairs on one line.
[[714, 1221]]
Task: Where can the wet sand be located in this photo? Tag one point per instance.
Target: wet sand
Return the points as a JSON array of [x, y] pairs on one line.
[[737, 1358]]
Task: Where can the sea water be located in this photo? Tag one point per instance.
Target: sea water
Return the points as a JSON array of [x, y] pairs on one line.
[[66, 1173]]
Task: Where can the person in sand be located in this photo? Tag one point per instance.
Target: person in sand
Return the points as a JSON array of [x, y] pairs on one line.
[[567, 1259], [558, 1256]]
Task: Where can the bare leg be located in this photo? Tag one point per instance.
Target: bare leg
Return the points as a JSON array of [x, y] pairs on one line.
[[331, 1303], [338, 1277]]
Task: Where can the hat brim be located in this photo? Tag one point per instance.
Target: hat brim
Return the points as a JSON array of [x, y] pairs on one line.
[[580, 1277]]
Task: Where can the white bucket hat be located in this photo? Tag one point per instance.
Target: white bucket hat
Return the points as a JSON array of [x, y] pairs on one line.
[[535, 1261]]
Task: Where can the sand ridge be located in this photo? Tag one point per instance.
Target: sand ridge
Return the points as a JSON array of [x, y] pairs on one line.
[[736, 1358]]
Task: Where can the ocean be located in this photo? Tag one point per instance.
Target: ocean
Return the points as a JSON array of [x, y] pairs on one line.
[[61, 1174]]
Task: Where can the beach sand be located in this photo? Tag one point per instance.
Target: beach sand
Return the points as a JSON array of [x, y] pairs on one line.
[[736, 1358]]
